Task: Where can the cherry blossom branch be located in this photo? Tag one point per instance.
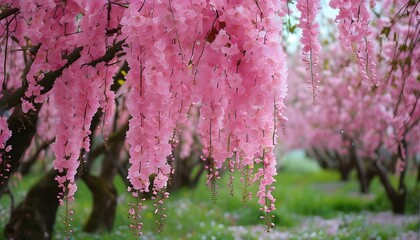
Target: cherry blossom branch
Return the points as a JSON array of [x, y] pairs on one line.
[[23, 125], [8, 12], [10, 100]]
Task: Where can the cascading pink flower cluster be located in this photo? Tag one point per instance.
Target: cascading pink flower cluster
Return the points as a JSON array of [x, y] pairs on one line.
[[156, 38], [79, 93], [311, 46], [355, 33], [58, 29], [223, 55], [47, 24]]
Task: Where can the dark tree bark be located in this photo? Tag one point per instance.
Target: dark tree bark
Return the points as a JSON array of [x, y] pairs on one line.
[[344, 174], [397, 198], [332, 160], [418, 174], [345, 166], [34, 217], [23, 127], [361, 170], [396, 195], [322, 160], [104, 204], [8, 12], [102, 187], [370, 174]]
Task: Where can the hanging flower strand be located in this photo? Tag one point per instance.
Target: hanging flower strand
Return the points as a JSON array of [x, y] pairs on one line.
[[309, 40], [355, 33]]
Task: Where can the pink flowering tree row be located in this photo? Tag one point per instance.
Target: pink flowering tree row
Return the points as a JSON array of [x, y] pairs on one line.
[[367, 114]]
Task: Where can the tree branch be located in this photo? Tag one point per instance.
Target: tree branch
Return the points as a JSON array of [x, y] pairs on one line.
[[12, 99], [23, 125], [8, 12]]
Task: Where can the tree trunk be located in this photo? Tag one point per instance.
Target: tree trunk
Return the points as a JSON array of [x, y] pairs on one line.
[[398, 204], [23, 127], [104, 204], [361, 171], [103, 190], [363, 183], [397, 199], [370, 174], [34, 217], [322, 160], [345, 165], [344, 174], [418, 174]]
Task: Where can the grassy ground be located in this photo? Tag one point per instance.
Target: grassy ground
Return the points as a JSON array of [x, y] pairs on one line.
[[309, 206]]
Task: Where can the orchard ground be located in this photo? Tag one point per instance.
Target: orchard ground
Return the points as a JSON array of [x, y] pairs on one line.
[[311, 204]]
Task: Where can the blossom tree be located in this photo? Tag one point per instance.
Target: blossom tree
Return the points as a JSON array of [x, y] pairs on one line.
[[368, 112], [180, 54], [61, 82]]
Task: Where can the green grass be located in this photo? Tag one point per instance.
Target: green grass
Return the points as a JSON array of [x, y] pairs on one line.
[[351, 228], [192, 215], [413, 226]]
